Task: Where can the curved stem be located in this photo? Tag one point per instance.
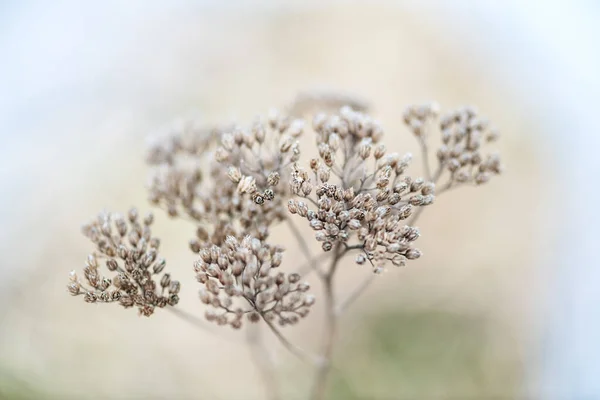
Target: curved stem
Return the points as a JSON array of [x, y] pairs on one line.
[[263, 363], [292, 348]]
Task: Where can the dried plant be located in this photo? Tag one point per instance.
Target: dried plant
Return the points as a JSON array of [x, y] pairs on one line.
[[235, 184]]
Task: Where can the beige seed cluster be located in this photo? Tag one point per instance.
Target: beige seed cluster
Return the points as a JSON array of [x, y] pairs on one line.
[[176, 174], [357, 193], [239, 280], [463, 135], [129, 251], [236, 183], [257, 159]]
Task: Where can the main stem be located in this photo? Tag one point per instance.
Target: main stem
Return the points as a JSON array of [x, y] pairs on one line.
[[324, 368]]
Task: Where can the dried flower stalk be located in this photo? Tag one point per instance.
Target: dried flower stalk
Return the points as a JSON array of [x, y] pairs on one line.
[[355, 195]]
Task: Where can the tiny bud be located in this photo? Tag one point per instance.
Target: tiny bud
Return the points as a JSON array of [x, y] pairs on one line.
[[324, 174], [254, 317], [379, 151], [269, 194], [174, 287], [92, 262], [304, 287], [413, 254], [148, 219], [354, 224], [364, 149], [195, 246], [292, 207], [159, 266], [234, 174], [165, 280], [285, 144], [309, 300], [247, 185], [132, 215], [111, 264], [453, 164], [258, 199], [273, 179]]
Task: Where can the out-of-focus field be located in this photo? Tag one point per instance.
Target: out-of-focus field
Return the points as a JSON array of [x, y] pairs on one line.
[[455, 324]]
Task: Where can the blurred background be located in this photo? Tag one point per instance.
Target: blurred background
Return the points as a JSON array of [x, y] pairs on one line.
[[503, 305]]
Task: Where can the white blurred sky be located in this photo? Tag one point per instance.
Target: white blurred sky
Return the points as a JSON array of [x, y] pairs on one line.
[[547, 51]]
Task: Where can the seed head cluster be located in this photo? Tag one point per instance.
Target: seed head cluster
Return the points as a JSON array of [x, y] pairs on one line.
[[127, 250], [356, 193], [176, 169], [237, 183], [239, 280], [463, 135], [236, 264]]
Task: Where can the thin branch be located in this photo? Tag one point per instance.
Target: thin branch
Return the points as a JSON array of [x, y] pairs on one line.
[[295, 350], [199, 323], [356, 293], [425, 157], [263, 363], [303, 246], [308, 266], [434, 179]]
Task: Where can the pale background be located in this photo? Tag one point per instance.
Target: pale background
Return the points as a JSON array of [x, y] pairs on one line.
[[502, 305]]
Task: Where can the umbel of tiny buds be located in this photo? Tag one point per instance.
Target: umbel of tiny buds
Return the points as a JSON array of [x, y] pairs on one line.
[[357, 193], [130, 254], [464, 134], [237, 183], [239, 280]]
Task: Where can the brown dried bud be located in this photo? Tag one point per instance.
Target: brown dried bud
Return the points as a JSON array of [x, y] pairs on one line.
[[273, 179], [165, 280]]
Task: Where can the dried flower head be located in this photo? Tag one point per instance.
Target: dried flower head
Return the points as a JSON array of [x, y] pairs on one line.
[[130, 253], [359, 206], [463, 135], [176, 174], [237, 183], [239, 280]]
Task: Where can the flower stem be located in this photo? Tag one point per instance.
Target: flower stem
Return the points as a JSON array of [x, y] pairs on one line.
[[324, 368]]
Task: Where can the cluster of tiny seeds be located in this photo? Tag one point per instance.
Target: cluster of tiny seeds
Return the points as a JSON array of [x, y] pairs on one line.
[[463, 134], [359, 206], [418, 118], [175, 187], [131, 253], [257, 158], [354, 194], [238, 281], [176, 173]]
